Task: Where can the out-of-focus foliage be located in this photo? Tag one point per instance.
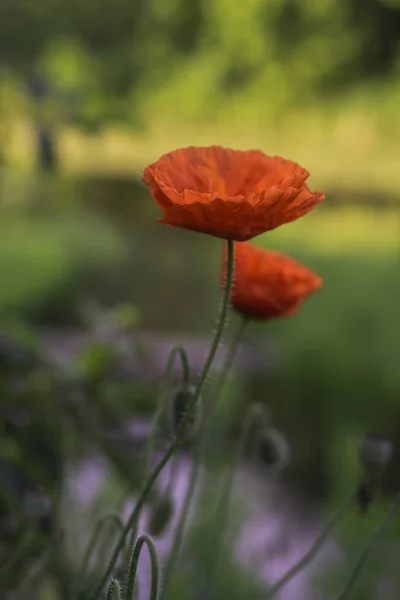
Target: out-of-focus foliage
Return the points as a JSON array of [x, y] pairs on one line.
[[53, 416], [141, 60]]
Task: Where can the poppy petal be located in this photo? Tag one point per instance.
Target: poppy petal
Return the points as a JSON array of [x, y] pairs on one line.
[[227, 193]]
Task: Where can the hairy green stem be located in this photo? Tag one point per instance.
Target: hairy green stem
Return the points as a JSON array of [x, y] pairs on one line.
[[155, 571], [114, 590], [311, 553], [199, 454], [132, 540], [371, 543], [181, 430], [160, 403]]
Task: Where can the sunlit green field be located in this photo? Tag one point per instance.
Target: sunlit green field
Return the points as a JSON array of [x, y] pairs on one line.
[[344, 147], [361, 231]]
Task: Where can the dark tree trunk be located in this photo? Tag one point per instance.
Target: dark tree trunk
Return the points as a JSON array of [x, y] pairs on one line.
[[47, 155]]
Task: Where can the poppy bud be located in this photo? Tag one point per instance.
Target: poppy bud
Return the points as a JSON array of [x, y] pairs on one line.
[[375, 452], [272, 449], [179, 407], [160, 516]]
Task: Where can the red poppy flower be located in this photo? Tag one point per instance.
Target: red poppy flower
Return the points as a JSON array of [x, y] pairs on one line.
[[268, 284], [231, 194]]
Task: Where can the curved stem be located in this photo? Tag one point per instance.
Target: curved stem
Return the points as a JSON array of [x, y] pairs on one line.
[[144, 539], [160, 402], [368, 548], [180, 529], [132, 540], [114, 590], [109, 516], [308, 556], [255, 413], [182, 428]]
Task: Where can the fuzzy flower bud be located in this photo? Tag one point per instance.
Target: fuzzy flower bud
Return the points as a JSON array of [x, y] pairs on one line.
[[160, 515], [272, 449], [179, 407]]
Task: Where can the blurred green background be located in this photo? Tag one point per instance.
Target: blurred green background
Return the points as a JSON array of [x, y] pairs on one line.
[[92, 90]]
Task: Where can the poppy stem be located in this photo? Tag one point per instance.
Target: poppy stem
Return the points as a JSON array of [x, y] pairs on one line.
[[200, 451], [368, 548], [114, 590], [155, 570], [312, 552], [182, 428]]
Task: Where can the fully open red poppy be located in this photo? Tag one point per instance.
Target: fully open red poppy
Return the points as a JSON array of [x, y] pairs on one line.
[[231, 194], [268, 284]]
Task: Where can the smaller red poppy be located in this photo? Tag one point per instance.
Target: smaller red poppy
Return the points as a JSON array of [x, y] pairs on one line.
[[266, 284]]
